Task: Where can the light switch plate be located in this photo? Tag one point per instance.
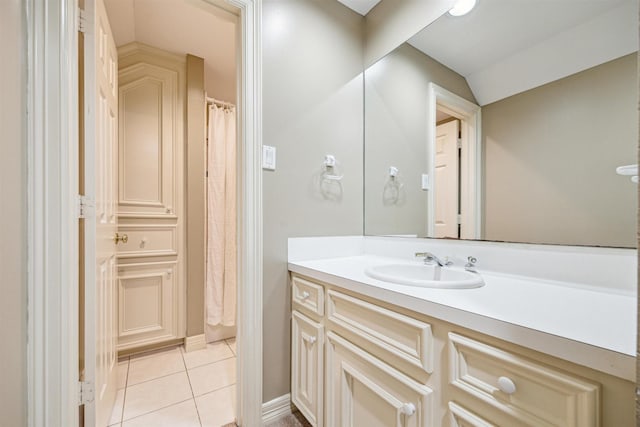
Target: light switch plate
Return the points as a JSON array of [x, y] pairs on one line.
[[425, 181], [268, 158]]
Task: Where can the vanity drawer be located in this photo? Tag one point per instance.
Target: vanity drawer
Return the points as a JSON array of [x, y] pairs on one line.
[[308, 295], [534, 394], [461, 417], [148, 240], [400, 335]]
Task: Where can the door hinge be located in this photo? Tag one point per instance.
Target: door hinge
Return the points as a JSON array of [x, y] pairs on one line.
[[86, 392], [82, 20], [459, 219], [84, 206], [459, 143]]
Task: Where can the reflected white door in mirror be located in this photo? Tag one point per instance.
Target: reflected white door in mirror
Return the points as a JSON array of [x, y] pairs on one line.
[[453, 162]]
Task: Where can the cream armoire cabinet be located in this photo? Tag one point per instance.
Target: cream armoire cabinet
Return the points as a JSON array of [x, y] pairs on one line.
[[151, 211]]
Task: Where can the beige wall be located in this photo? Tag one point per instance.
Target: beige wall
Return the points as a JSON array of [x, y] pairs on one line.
[[396, 111], [550, 159], [313, 89], [196, 195], [393, 22], [13, 213]]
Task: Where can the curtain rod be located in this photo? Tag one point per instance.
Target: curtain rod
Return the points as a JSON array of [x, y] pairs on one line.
[[218, 102]]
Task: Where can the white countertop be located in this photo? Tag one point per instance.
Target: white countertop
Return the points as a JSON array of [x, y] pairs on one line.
[[582, 324]]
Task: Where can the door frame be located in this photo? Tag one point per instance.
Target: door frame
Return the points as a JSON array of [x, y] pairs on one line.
[[471, 161], [52, 188]]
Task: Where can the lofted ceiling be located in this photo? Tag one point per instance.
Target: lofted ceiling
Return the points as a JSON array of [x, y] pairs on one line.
[[504, 47], [360, 6], [180, 26]]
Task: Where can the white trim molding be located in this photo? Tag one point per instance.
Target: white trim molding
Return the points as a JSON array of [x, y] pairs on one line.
[[276, 409], [471, 161], [52, 266], [250, 304]]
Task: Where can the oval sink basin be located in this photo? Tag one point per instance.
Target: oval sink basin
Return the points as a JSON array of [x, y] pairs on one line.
[[427, 276]]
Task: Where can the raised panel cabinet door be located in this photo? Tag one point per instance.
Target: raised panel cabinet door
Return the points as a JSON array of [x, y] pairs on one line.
[[306, 367], [152, 281], [150, 136], [148, 313], [361, 390]]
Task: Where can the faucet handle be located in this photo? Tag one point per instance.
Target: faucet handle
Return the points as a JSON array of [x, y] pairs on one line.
[[471, 264]]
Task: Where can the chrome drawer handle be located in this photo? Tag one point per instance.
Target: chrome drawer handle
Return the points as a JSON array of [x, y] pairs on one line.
[[506, 385], [305, 295], [408, 409]]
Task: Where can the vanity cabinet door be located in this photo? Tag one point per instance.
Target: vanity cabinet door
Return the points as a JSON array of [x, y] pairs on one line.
[[307, 365], [364, 391]]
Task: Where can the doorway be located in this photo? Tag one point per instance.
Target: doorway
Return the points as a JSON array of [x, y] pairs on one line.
[[454, 165], [53, 118], [153, 198], [448, 148]]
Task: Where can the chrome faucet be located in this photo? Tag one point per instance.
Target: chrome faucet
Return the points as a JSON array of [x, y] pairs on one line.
[[471, 264], [430, 258]]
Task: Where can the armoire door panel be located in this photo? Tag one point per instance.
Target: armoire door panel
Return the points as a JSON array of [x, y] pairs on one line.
[[152, 280], [147, 303], [148, 240], [141, 161], [150, 140]]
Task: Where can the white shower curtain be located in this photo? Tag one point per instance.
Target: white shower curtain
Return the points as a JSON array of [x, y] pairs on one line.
[[221, 217]]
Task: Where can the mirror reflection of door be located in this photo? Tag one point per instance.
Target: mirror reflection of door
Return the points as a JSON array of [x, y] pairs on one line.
[[447, 177]]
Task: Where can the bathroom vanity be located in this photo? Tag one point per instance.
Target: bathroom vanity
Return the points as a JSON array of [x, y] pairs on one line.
[[546, 347]]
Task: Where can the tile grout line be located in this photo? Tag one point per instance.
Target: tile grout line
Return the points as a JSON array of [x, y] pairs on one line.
[[124, 395], [193, 397], [229, 345], [211, 363], [156, 410], [156, 378]]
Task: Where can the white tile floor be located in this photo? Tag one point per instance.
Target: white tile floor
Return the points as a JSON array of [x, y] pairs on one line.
[[177, 389]]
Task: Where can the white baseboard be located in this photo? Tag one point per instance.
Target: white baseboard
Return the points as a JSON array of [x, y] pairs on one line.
[[275, 409], [196, 342]]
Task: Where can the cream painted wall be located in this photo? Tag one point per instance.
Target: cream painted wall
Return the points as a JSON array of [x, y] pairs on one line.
[[550, 159], [13, 213], [197, 27], [396, 111], [313, 93], [196, 195], [393, 22]]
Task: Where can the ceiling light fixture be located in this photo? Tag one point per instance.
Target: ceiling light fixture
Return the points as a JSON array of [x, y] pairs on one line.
[[462, 7]]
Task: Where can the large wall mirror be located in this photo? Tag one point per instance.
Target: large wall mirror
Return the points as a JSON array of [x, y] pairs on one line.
[[507, 124]]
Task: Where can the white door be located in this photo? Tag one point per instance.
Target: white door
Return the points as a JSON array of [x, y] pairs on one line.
[[446, 180], [100, 178]]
